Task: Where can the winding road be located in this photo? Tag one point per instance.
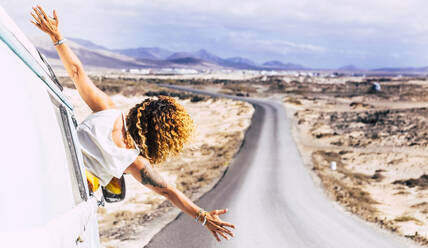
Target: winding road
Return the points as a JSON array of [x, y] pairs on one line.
[[272, 199]]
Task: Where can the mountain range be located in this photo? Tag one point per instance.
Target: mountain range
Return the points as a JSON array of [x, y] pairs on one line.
[[94, 55], [97, 56], [189, 58]]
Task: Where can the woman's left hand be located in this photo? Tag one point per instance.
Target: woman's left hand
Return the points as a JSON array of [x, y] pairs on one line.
[[45, 23], [217, 226]]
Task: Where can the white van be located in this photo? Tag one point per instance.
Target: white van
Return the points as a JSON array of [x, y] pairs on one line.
[[45, 200]]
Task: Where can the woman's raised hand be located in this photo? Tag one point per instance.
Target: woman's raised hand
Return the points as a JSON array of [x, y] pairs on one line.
[[45, 23], [217, 226]]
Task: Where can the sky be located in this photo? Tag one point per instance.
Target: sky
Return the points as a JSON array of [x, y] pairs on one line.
[[315, 33]]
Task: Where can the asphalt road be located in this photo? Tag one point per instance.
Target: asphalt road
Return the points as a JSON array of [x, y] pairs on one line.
[[272, 199]]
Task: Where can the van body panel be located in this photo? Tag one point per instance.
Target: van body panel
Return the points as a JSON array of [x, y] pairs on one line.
[[31, 125], [60, 232], [45, 197]]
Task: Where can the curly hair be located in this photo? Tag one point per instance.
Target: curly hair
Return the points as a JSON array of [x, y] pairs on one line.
[[160, 127]]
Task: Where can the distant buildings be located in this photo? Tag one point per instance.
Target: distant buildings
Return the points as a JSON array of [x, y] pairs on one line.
[[189, 71], [162, 71]]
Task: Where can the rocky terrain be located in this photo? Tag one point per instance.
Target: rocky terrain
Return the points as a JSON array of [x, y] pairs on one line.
[[367, 149]]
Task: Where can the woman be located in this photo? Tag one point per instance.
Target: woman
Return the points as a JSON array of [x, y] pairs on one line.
[[113, 144]]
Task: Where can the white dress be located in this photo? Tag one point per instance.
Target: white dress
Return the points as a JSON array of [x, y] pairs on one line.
[[101, 155]]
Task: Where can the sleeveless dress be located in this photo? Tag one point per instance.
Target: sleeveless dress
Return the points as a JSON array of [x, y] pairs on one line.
[[101, 155]]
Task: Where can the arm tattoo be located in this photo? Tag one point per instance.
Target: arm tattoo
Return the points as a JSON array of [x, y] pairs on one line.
[[152, 177]]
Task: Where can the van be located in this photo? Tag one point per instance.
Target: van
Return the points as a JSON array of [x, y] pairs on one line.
[[45, 200]]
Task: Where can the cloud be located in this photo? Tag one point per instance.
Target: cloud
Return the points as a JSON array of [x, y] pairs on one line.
[[287, 46], [284, 47], [327, 31]]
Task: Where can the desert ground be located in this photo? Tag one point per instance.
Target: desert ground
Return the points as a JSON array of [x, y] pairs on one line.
[[220, 130], [366, 149], [377, 142]]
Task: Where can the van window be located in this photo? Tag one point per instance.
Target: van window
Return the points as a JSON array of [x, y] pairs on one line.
[[72, 151], [68, 124]]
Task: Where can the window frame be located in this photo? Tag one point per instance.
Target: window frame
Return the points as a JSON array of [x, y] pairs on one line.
[[68, 124]]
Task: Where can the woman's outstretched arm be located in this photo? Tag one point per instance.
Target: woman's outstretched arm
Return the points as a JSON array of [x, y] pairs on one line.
[[149, 177], [94, 97]]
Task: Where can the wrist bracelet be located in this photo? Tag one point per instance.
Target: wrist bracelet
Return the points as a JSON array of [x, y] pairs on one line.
[[199, 215], [59, 42], [205, 218]]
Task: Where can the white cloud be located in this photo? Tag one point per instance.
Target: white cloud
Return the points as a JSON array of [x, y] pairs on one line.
[[362, 28], [285, 47]]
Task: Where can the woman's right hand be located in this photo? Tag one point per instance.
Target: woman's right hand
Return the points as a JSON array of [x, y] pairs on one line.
[[45, 23], [218, 227]]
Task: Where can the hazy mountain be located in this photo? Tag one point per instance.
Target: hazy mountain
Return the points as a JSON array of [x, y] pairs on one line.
[[186, 61], [151, 53], [273, 63], [240, 60], [402, 69], [154, 53], [205, 55], [276, 64], [87, 44], [95, 55], [92, 55], [349, 68], [240, 63], [180, 55], [140, 53], [95, 59]]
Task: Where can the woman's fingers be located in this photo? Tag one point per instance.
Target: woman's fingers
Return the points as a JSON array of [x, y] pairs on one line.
[[42, 12], [218, 230], [223, 235], [35, 17], [36, 11], [37, 24], [219, 212], [218, 221], [223, 230], [40, 16], [216, 236], [55, 16], [224, 223], [227, 231]]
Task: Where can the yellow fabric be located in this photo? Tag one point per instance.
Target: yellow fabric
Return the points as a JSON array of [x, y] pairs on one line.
[[93, 181], [114, 186]]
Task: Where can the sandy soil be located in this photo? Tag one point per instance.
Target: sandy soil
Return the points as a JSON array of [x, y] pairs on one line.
[[378, 143], [221, 125]]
